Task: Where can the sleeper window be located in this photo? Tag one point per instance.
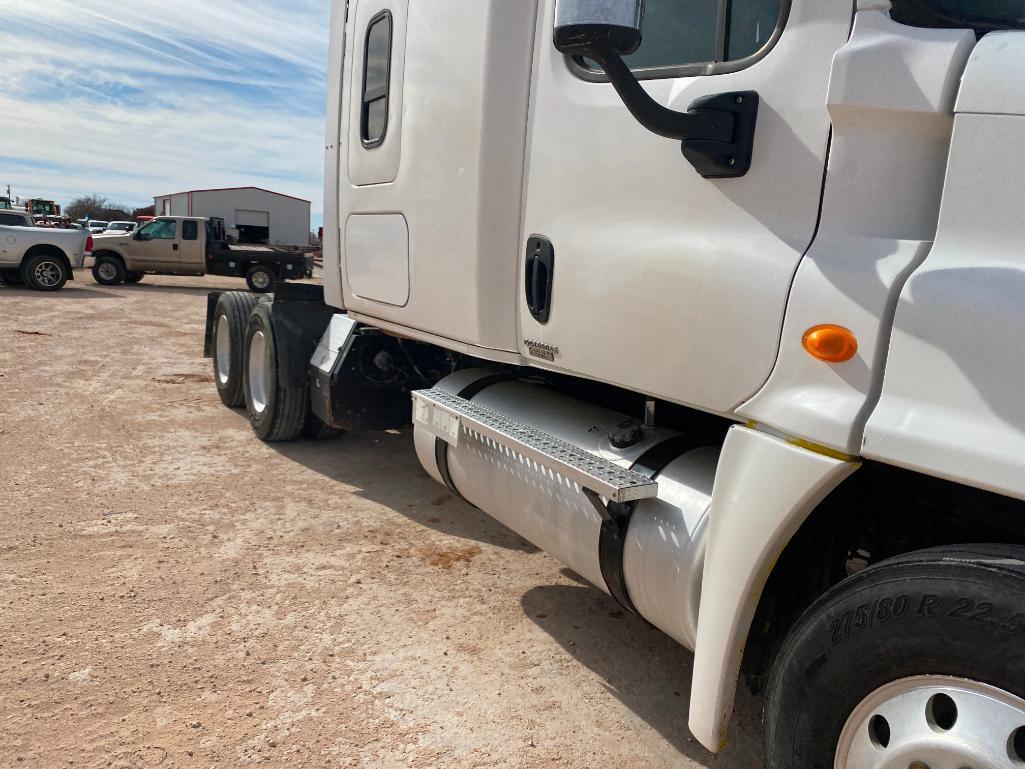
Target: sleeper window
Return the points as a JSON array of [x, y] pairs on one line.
[[376, 81]]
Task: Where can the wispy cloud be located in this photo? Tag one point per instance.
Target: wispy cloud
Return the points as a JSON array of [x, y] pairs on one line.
[[131, 100]]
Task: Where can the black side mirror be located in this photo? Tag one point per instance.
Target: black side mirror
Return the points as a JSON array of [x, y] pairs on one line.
[[717, 132], [583, 25]]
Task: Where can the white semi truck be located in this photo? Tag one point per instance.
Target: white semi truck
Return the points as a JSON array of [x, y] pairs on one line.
[[720, 303]]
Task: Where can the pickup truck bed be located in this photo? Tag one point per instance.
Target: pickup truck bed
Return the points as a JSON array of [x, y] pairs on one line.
[[41, 258]]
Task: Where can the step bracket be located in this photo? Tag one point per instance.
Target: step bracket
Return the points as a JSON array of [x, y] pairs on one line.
[[447, 416]]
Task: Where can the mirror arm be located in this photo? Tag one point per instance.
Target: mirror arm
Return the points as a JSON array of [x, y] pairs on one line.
[[703, 125]]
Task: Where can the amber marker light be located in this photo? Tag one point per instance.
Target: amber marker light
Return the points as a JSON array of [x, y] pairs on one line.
[[833, 344]]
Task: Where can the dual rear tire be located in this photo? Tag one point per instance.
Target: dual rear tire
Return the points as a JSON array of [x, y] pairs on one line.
[[247, 373], [276, 412], [229, 344]]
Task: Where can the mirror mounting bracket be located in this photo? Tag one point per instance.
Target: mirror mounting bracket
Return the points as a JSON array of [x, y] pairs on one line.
[[716, 132]]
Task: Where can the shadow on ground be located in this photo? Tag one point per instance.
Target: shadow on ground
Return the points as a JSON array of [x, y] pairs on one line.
[[383, 467], [643, 668]]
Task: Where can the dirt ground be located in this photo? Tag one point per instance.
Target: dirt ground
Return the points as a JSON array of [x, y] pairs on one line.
[[175, 593]]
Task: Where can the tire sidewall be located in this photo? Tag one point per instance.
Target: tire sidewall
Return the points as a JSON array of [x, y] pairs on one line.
[[29, 278], [120, 270], [258, 268], [259, 321], [234, 307], [894, 621]]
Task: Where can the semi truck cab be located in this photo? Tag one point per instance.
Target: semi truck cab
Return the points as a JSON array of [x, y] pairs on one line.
[[718, 303]]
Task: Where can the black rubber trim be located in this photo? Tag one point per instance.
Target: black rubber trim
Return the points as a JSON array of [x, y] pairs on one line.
[[441, 447], [211, 312], [612, 540]]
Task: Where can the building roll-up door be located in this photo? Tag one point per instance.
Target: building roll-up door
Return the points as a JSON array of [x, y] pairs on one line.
[[252, 226]]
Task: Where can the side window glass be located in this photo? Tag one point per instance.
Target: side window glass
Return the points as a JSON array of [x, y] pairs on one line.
[[163, 229], [676, 32], [190, 230], [752, 23], [376, 81]]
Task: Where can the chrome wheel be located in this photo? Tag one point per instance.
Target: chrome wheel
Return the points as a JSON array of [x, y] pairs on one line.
[[222, 346], [107, 271], [47, 274], [934, 722], [259, 372], [261, 280]]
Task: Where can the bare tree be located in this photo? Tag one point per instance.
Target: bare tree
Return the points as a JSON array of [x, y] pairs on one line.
[[96, 207]]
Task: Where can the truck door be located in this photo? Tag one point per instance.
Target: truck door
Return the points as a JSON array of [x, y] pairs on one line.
[[662, 280], [155, 247], [191, 247]]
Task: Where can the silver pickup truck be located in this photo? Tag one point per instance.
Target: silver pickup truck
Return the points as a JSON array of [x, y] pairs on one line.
[[41, 258]]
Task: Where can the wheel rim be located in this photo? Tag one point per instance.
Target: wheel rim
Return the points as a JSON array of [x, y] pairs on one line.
[[47, 274], [934, 722], [222, 345], [259, 372], [260, 279], [107, 271]]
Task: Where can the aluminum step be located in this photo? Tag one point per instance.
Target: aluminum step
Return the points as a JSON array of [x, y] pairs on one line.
[[446, 416]]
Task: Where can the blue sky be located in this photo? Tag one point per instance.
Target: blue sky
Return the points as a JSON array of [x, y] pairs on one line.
[[134, 98]]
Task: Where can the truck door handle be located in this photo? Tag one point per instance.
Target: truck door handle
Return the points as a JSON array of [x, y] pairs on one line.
[[539, 277], [174, 246]]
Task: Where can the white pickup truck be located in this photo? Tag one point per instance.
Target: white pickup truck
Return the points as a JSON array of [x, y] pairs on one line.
[[41, 258]]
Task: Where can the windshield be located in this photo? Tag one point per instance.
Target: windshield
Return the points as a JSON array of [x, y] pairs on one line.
[[119, 227], [98, 224]]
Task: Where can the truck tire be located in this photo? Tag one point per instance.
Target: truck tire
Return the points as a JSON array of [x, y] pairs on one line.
[[108, 271], [45, 272], [261, 278], [231, 319], [134, 277], [276, 413], [11, 278], [914, 662]]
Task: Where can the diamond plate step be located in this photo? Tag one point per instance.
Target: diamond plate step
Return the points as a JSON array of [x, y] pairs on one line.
[[446, 415]]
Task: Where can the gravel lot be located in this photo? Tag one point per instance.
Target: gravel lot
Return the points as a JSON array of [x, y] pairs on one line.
[[175, 593]]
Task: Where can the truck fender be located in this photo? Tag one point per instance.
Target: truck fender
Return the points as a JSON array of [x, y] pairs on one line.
[[49, 248], [765, 488], [299, 318], [111, 251]]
